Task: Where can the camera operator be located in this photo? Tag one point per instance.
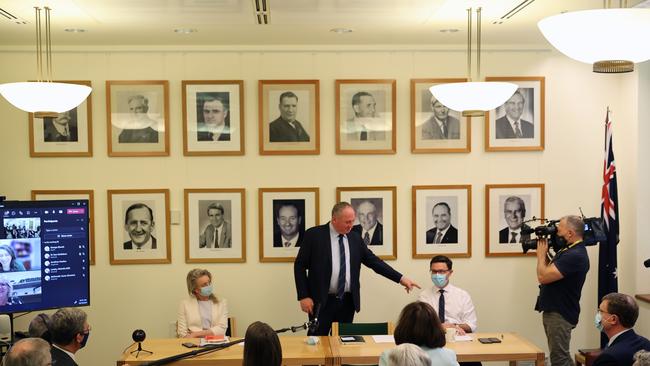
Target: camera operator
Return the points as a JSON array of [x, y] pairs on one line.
[[561, 279]]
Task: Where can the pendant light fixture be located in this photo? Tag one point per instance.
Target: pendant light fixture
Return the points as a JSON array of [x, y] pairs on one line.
[[473, 98], [44, 98], [612, 39]]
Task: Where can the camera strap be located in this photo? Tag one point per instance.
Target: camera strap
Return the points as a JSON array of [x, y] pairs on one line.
[[567, 248]]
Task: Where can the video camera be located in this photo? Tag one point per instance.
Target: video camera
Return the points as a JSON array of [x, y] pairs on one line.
[[594, 232]]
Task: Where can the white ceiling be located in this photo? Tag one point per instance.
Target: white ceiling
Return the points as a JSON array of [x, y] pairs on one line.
[[292, 22]]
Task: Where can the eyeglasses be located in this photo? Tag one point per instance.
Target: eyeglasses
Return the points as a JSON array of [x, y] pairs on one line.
[[439, 271]]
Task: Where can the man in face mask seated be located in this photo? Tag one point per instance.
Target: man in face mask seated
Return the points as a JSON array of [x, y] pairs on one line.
[[69, 331]]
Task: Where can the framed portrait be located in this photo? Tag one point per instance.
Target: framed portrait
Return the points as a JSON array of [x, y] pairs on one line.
[[284, 215], [434, 127], [138, 117], [376, 217], [215, 225], [213, 117], [289, 117], [138, 226], [509, 209], [518, 124], [365, 116], [69, 134], [442, 221], [73, 194]]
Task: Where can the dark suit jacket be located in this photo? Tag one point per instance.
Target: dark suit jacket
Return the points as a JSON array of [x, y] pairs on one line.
[[504, 129], [620, 352], [451, 236], [129, 244], [315, 256], [504, 234], [203, 135], [281, 131], [225, 236], [377, 236], [431, 130], [60, 358], [50, 133], [141, 135]]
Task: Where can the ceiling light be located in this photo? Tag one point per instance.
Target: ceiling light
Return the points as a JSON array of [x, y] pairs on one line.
[[613, 40], [44, 98], [185, 30], [75, 30], [473, 98], [449, 30], [341, 30]]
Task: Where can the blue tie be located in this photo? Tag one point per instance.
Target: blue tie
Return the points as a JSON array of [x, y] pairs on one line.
[[340, 289]]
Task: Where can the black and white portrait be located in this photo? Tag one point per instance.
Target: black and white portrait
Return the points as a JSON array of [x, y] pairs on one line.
[[213, 116], [289, 226], [369, 213], [61, 128], [139, 226], [443, 222], [215, 229], [517, 118]]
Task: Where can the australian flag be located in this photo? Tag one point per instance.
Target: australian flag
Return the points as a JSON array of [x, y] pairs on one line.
[[607, 271]]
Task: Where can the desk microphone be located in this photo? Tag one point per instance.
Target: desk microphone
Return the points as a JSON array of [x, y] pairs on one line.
[[313, 324], [646, 263], [139, 336]]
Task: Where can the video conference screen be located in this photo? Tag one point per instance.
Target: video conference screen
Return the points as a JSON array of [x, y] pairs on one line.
[[44, 261]]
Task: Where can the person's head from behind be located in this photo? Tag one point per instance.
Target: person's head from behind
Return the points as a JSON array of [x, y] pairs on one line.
[[419, 324], [515, 106], [28, 352], [364, 105], [407, 354], [138, 222], [617, 312], [215, 111], [261, 346], [514, 210], [39, 326], [439, 110], [7, 258], [288, 106], [289, 220], [642, 358], [343, 216], [69, 329], [367, 213], [441, 215], [571, 228], [215, 214], [199, 284]]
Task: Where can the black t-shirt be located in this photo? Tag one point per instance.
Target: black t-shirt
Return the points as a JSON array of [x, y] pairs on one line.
[[563, 296]]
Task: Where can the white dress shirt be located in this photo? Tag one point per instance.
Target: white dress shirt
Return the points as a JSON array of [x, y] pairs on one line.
[[459, 308], [336, 261], [370, 232], [292, 242]]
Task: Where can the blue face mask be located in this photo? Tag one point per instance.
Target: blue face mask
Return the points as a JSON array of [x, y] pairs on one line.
[[598, 321], [439, 280], [206, 290]]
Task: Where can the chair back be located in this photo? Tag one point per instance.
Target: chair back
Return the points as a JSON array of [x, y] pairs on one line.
[[362, 328]]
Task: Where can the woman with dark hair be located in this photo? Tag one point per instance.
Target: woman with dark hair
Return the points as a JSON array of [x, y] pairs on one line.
[[419, 324], [261, 346], [8, 261], [201, 314]]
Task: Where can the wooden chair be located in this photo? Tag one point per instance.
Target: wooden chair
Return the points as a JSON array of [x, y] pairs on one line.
[[362, 328]]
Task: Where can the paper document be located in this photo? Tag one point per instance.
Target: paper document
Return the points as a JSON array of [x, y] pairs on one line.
[[463, 338], [213, 340], [383, 339]]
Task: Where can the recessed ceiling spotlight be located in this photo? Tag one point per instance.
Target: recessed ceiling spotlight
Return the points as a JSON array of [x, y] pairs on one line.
[[341, 30], [75, 30], [449, 30], [185, 30]]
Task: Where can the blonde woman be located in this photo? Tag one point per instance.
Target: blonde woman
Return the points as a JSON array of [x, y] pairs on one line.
[[202, 314]]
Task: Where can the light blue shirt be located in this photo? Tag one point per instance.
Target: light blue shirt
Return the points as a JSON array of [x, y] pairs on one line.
[[439, 356]]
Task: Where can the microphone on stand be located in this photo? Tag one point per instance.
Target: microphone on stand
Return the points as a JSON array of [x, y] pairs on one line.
[[139, 336], [313, 324]]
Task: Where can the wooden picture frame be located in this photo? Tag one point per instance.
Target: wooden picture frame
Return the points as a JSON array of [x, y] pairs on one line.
[[376, 215], [442, 221], [134, 237], [366, 120], [286, 126], [213, 117], [508, 207], [296, 210], [73, 194], [137, 116], [434, 127], [215, 211], [68, 135], [528, 105]]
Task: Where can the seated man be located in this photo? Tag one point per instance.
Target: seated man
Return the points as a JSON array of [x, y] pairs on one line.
[[38, 326], [69, 331], [28, 352], [617, 314]]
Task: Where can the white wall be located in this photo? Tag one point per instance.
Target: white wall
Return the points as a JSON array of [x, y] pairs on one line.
[[127, 297]]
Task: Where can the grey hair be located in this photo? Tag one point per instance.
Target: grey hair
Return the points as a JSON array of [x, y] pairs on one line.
[[576, 224], [28, 352], [65, 324], [194, 275], [642, 358], [339, 207], [407, 354]]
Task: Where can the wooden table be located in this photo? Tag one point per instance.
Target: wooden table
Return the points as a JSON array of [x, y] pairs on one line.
[[513, 347], [294, 352]]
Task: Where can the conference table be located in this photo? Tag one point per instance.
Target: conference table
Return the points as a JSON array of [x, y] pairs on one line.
[[331, 352]]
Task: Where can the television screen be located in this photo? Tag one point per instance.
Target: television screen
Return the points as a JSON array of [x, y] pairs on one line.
[[43, 255]]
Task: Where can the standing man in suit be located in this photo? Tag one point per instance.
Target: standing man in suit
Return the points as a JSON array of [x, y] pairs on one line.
[[61, 128], [69, 331], [143, 129], [28, 352], [215, 125], [514, 211], [289, 221], [327, 270], [369, 227], [139, 224], [511, 126], [218, 233], [444, 232], [286, 128], [364, 125], [617, 314], [440, 126]]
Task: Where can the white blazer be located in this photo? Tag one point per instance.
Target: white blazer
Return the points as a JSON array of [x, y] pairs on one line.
[[189, 318]]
